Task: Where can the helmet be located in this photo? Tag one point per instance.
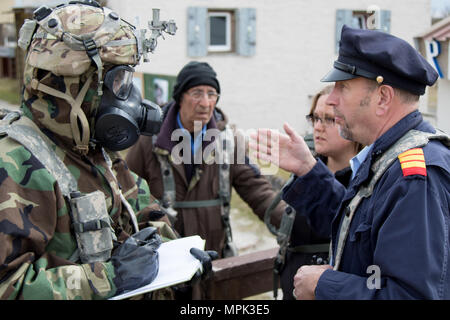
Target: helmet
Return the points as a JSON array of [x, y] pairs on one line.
[[76, 43], [69, 36]]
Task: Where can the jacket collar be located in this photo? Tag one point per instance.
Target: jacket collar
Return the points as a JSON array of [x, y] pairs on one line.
[[169, 124], [380, 145]]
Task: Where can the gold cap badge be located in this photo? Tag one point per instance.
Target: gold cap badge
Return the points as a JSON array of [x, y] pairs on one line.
[[380, 79]]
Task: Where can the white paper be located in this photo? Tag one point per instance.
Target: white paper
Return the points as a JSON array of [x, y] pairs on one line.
[[176, 265]]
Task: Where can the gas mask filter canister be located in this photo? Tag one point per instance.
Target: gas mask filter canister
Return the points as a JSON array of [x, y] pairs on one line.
[[123, 115]]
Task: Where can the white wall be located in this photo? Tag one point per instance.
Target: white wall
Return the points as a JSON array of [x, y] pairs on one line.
[[6, 13], [294, 50], [443, 110]]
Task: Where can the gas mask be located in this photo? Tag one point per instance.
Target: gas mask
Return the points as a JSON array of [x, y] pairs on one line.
[[123, 115]]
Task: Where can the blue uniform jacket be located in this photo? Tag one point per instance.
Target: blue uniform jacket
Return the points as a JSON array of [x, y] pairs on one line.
[[403, 228]]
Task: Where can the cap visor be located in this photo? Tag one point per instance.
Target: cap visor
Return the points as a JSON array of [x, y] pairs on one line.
[[337, 75]]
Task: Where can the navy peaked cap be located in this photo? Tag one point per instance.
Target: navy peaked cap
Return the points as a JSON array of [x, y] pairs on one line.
[[382, 57]]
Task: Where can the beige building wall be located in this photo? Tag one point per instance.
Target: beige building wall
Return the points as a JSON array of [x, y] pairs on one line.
[[294, 50], [6, 14]]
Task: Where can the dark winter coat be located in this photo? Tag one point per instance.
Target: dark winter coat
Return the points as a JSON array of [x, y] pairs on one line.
[[252, 187]]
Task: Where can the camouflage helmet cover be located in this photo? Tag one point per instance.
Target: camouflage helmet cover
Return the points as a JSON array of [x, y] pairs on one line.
[[59, 44]]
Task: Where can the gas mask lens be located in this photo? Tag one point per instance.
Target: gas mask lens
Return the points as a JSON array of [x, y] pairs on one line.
[[123, 115], [119, 80]]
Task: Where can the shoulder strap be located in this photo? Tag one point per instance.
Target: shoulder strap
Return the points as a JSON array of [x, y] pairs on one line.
[[412, 139], [169, 194], [226, 152], [25, 132], [168, 197]]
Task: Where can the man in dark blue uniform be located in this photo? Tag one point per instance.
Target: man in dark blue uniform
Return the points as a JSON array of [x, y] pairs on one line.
[[390, 227]]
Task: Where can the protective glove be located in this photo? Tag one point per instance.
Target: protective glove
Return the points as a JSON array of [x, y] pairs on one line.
[[205, 258], [155, 215], [136, 260]]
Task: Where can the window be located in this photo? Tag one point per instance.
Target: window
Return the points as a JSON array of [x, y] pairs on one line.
[[359, 20], [219, 31]]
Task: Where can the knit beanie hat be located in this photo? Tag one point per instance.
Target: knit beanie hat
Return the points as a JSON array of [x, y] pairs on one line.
[[194, 74]]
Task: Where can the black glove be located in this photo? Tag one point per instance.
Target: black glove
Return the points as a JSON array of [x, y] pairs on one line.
[[136, 261], [155, 215], [205, 258]]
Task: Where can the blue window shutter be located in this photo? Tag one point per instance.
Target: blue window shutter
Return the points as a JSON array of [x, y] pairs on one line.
[[246, 31], [343, 16], [196, 31], [385, 16]]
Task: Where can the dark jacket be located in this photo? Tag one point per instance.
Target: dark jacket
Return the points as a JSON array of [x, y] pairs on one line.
[[302, 234], [403, 228], [253, 188]]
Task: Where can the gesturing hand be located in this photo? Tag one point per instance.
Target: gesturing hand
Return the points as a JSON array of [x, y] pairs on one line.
[[288, 151]]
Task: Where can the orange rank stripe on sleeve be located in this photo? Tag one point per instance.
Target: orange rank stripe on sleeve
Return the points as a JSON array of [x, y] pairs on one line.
[[413, 162]]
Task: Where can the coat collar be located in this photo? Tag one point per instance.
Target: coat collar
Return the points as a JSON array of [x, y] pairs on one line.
[[383, 143], [169, 124]]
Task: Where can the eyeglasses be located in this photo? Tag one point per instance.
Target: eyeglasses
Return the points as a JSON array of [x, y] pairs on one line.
[[327, 121], [197, 95]]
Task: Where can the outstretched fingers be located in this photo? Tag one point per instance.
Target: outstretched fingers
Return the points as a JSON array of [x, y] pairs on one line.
[[293, 135], [264, 144]]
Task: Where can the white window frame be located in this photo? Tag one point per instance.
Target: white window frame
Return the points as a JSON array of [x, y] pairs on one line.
[[227, 46]]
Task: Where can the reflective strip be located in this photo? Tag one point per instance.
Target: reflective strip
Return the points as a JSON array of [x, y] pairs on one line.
[[412, 164], [414, 151], [413, 157]]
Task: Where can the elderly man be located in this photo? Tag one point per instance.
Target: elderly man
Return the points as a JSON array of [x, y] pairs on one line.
[[389, 228], [196, 191]]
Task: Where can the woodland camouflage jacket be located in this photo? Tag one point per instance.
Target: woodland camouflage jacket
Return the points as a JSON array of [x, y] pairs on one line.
[[35, 227]]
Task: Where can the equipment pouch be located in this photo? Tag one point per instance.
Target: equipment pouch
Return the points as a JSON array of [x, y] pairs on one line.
[[91, 223], [26, 33]]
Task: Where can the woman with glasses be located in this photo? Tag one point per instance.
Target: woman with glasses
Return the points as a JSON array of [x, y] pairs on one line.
[[328, 143], [305, 246]]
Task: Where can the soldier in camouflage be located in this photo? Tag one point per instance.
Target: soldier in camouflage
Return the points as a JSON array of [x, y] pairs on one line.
[[70, 49]]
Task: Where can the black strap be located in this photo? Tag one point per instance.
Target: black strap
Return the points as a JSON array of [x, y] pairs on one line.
[[91, 225], [354, 70], [91, 47]]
